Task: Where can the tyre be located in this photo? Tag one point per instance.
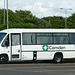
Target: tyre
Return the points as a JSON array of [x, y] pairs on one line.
[[3, 59], [58, 58]]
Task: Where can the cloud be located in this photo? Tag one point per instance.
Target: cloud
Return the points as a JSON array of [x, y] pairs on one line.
[[66, 5], [27, 7], [38, 9], [42, 8], [1, 4]]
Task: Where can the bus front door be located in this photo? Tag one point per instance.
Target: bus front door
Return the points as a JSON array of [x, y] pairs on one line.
[[15, 46]]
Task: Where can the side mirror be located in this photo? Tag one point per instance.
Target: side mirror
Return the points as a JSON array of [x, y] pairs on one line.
[[6, 43]]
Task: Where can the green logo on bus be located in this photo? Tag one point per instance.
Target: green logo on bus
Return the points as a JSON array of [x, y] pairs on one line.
[[45, 47]]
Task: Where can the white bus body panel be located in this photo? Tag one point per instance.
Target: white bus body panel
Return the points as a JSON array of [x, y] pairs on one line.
[[5, 50], [45, 55], [41, 55], [27, 55], [68, 51], [26, 51]]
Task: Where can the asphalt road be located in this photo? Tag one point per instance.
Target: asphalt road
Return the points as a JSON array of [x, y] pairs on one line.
[[38, 68]]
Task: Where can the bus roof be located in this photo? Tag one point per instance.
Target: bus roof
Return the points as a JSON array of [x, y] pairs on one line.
[[38, 30]]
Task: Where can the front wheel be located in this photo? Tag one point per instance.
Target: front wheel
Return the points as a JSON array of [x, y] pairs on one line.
[[3, 59], [58, 58]]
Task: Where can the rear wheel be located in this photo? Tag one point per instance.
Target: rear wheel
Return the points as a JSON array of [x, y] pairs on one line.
[[3, 59], [58, 58]]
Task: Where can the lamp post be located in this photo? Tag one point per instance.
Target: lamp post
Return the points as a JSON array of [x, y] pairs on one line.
[[7, 14], [65, 15], [4, 12], [49, 22]]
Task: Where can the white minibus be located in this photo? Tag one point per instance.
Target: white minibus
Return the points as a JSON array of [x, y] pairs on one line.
[[37, 44]]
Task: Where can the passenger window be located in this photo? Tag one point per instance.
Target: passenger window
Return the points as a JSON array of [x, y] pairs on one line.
[[72, 38], [61, 38], [44, 38], [28, 38], [56, 40], [15, 39]]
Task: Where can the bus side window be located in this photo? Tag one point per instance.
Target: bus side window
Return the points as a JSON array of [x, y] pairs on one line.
[[15, 38], [56, 40], [5, 42], [28, 38], [72, 38]]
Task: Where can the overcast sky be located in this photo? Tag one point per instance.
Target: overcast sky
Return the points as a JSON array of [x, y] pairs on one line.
[[42, 8]]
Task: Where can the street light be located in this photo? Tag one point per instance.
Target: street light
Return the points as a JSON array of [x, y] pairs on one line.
[[65, 15], [4, 12], [49, 21], [7, 14]]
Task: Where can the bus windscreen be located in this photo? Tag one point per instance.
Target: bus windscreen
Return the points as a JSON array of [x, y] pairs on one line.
[[2, 36]]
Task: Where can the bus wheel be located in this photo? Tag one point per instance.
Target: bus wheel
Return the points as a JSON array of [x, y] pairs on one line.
[[3, 59], [58, 58]]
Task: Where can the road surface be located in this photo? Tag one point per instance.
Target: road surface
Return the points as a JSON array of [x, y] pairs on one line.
[[38, 68]]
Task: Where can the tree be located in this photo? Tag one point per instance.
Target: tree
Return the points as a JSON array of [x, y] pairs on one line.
[[25, 19]]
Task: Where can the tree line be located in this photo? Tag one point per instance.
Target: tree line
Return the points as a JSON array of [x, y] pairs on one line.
[[25, 19]]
